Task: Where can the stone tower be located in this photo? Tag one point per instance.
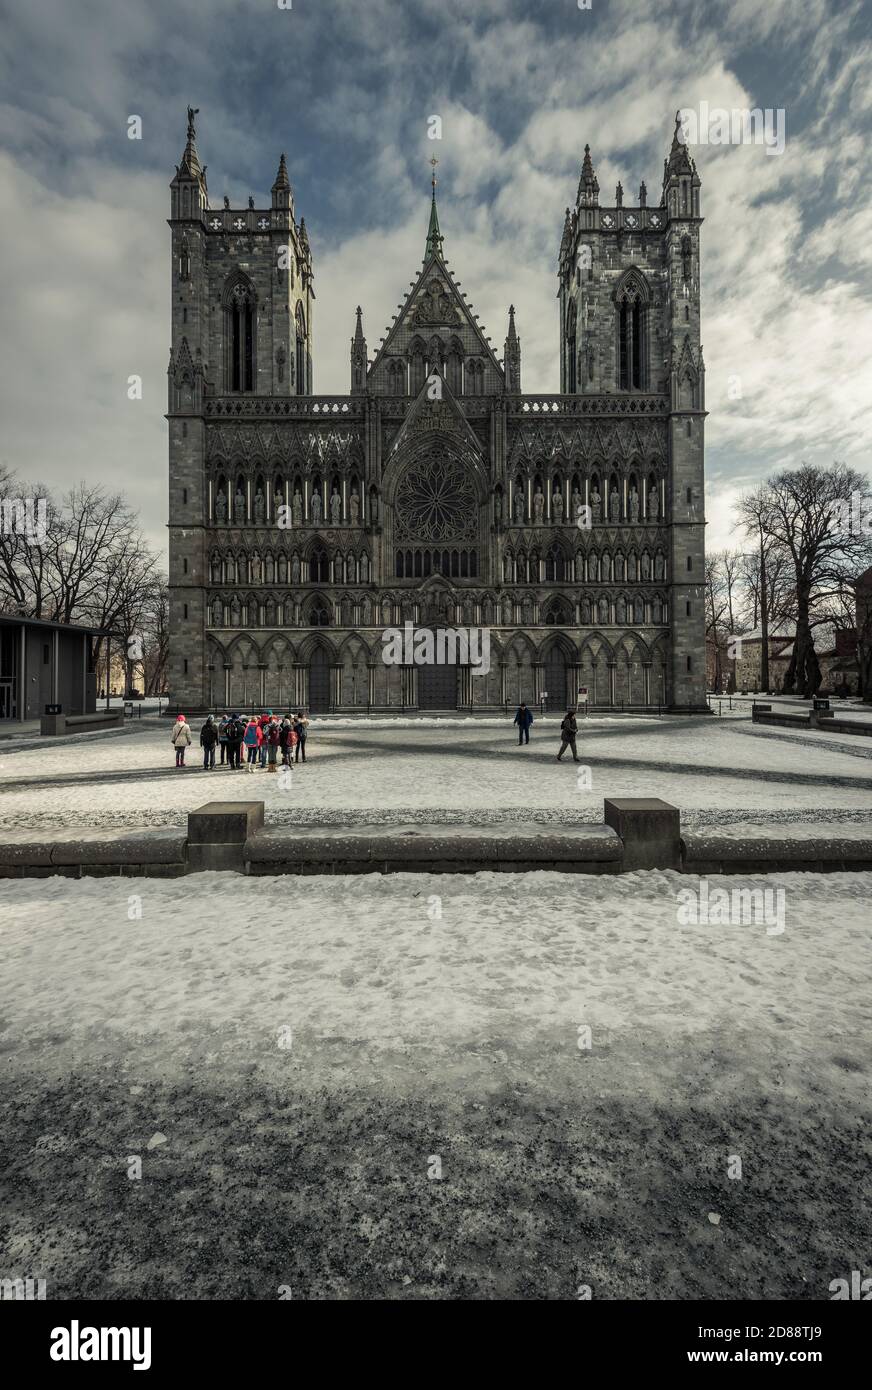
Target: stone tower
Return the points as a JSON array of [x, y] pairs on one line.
[[242, 303], [629, 295]]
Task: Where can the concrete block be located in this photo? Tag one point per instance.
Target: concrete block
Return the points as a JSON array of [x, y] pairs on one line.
[[225, 822], [650, 830]]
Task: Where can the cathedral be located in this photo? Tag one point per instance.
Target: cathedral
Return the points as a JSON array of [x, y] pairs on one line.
[[569, 526]]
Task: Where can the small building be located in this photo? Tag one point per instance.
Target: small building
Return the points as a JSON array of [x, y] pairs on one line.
[[44, 663]]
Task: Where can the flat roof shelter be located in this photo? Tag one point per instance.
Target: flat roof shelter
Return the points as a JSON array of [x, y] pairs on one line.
[[45, 663]]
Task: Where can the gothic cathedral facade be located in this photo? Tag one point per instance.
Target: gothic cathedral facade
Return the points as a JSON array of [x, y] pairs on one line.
[[570, 525]]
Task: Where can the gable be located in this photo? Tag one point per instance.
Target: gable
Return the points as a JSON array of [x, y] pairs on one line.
[[434, 318]]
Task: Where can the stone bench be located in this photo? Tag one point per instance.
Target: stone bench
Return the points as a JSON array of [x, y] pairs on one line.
[[433, 849]]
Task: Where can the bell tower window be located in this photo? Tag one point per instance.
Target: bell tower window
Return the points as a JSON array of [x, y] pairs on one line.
[[240, 336]]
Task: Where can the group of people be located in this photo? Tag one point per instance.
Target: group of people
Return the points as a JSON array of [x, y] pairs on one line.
[[568, 730], [262, 737]]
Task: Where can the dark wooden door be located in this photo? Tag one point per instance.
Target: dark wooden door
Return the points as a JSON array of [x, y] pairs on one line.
[[319, 682]]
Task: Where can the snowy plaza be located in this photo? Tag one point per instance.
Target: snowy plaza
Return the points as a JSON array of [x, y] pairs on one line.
[[426, 1086]]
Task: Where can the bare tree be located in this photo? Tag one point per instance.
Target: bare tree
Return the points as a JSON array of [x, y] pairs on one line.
[[802, 514]]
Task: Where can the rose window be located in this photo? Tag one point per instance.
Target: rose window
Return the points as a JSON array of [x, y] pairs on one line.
[[436, 500]]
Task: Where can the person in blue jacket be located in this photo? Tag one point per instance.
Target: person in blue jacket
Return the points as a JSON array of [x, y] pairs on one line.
[[523, 719]]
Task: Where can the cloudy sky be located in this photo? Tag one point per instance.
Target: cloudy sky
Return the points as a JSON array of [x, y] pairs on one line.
[[346, 87]]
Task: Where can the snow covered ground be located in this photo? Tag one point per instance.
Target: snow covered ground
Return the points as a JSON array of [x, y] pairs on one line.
[[711, 768], [295, 1063]]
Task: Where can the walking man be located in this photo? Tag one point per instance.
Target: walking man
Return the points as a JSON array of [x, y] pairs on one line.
[[523, 719], [568, 735], [301, 726]]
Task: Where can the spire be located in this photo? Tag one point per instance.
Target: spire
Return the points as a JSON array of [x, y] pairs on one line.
[[512, 355], [282, 193], [588, 188], [679, 161], [190, 164], [282, 180], [434, 236], [358, 357], [189, 197]]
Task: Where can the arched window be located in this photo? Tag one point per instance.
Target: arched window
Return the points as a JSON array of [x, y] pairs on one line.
[[319, 567], [631, 304], [454, 367], [239, 333], [301, 353], [417, 367], [474, 377], [397, 377], [555, 564], [319, 615], [571, 350]]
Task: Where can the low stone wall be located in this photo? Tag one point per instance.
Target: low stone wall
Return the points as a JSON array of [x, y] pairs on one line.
[[39, 854], [638, 834]]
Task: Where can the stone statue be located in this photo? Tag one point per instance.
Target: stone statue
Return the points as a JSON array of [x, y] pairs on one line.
[[259, 506], [596, 506], [659, 566], [278, 501], [579, 566], [295, 568], [646, 565], [585, 610], [354, 507], [614, 505], [297, 509], [519, 507], [373, 508], [603, 610], [653, 505], [640, 611], [364, 569], [255, 567], [217, 613], [235, 612], [221, 505], [538, 505], [335, 508], [315, 508], [239, 506], [557, 507], [634, 504], [577, 503]]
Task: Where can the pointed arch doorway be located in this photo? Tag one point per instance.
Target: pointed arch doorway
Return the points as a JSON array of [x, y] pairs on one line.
[[554, 678], [319, 681]]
